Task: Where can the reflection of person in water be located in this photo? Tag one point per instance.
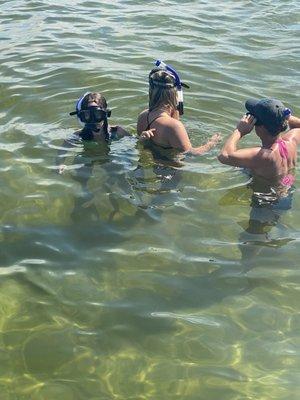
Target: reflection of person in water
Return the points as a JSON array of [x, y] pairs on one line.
[[94, 138]]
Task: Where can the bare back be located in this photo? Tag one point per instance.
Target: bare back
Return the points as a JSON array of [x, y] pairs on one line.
[[278, 160], [170, 133]]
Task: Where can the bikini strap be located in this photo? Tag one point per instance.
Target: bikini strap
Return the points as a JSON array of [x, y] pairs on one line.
[[282, 148], [150, 123]]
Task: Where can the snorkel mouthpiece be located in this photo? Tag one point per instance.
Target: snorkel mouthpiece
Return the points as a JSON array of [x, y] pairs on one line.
[[178, 83]]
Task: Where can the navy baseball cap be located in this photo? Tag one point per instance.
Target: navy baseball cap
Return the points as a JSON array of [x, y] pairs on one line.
[[269, 112]]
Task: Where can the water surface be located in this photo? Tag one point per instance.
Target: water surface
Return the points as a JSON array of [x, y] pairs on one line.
[[122, 278]]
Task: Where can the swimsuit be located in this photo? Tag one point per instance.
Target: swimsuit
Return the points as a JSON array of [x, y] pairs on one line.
[[279, 198], [150, 123], [283, 151], [148, 127], [288, 179]]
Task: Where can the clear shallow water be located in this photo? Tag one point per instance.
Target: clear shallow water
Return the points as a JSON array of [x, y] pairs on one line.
[[142, 283]]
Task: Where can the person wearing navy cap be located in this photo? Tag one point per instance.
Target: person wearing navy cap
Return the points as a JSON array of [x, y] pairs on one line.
[[271, 166], [279, 133]]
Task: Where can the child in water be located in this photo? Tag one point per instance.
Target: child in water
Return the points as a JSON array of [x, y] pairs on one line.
[[92, 112], [160, 124]]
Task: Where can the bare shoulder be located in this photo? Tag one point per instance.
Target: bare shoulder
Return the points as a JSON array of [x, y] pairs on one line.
[[175, 125], [176, 135], [143, 113], [292, 135]]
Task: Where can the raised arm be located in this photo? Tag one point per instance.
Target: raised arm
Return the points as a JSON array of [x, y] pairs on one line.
[[294, 122], [230, 155]]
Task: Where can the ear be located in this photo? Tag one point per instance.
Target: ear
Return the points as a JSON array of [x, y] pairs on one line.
[[174, 113]]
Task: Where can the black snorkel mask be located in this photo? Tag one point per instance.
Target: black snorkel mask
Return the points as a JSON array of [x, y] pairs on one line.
[[178, 84], [90, 115]]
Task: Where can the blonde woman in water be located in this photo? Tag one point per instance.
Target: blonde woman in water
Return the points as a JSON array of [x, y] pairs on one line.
[[160, 123]]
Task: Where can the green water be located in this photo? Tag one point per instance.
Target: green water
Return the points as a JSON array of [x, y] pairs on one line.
[[121, 279]]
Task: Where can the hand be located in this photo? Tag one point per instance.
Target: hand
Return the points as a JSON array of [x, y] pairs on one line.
[[146, 135], [246, 124], [61, 169], [215, 139]]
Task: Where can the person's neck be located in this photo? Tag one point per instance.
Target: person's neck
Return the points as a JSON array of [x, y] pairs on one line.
[[161, 110], [268, 141]]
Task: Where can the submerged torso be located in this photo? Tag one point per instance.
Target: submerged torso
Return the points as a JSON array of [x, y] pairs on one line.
[[275, 191]]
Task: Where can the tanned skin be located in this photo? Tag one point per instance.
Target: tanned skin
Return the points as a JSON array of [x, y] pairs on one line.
[[265, 160], [168, 131]]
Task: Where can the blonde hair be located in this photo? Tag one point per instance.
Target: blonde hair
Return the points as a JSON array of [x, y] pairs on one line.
[[162, 90]]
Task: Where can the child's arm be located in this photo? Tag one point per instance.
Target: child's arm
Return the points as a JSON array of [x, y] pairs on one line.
[[118, 132]]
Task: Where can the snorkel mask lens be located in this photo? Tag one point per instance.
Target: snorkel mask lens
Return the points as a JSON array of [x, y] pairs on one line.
[[92, 115]]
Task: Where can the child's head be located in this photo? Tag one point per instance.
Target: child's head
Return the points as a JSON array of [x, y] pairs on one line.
[[93, 97], [92, 112], [162, 90]]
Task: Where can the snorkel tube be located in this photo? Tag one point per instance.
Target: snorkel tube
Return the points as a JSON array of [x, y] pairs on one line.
[[78, 108], [178, 83]]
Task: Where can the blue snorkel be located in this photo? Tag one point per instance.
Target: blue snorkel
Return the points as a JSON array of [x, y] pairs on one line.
[[178, 83], [287, 112]]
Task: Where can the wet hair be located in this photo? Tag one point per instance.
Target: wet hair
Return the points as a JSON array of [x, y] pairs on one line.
[[162, 89], [87, 131], [276, 129], [282, 127]]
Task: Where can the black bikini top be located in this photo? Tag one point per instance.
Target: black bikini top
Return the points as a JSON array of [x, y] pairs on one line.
[[148, 127]]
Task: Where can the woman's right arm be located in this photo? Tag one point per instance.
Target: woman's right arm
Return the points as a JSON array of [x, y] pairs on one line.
[[212, 142], [180, 140]]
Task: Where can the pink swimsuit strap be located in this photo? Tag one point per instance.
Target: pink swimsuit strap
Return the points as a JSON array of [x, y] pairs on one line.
[[288, 179], [282, 148]]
